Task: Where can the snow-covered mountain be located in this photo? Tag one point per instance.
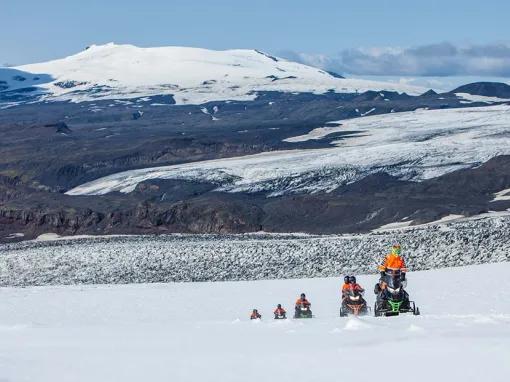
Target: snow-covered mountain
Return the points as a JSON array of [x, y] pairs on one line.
[[191, 75], [243, 125], [416, 145]]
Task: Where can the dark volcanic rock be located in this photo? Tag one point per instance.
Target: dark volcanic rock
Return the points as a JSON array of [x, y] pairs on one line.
[[181, 206], [429, 93], [137, 114], [60, 128], [69, 84], [487, 89], [19, 78], [334, 74], [40, 159]]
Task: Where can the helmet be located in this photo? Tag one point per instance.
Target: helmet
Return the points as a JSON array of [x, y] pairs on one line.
[[346, 279], [395, 250], [279, 306], [352, 279], [303, 295], [255, 311]]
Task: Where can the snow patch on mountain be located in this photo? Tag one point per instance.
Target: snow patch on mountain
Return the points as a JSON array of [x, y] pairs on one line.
[[405, 224], [191, 75], [471, 98], [502, 195], [416, 145]]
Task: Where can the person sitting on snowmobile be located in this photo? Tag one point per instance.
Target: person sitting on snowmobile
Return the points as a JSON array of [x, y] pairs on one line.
[[350, 283], [352, 299], [393, 261], [279, 312], [302, 304], [346, 285], [255, 315], [354, 285]]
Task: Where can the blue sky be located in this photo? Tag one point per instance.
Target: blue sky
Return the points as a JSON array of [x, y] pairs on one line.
[[342, 35]]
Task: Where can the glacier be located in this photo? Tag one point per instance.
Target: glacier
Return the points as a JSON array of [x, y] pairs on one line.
[[452, 241], [416, 145]]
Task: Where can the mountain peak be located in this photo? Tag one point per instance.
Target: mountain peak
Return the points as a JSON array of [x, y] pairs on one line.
[[486, 89], [190, 75]]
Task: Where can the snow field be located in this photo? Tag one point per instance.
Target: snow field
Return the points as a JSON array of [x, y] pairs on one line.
[[201, 331]]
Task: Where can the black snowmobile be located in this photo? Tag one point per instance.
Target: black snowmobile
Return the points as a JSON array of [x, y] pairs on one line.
[[303, 311], [392, 299], [353, 303]]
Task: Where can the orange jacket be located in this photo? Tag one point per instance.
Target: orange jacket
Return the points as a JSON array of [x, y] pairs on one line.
[[393, 262], [279, 311], [356, 287], [302, 302]]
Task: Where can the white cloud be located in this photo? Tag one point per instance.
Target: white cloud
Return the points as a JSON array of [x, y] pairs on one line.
[[442, 59]]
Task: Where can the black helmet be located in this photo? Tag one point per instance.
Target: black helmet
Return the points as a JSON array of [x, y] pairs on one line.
[[352, 279], [303, 295], [347, 280], [279, 306]]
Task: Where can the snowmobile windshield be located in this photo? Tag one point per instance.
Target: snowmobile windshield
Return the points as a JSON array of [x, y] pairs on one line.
[[353, 294], [354, 297], [393, 279]]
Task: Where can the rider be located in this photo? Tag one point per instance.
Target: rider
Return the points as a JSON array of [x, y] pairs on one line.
[[392, 261], [349, 284], [354, 285], [279, 311], [346, 285], [255, 315], [302, 302]]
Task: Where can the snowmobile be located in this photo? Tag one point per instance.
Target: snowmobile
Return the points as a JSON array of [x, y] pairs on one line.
[[393, 299], [303, 311], [255, 315], [353, 303], [280, 313]]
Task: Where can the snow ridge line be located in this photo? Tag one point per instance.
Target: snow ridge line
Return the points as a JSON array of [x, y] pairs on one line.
[[191, 258]]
